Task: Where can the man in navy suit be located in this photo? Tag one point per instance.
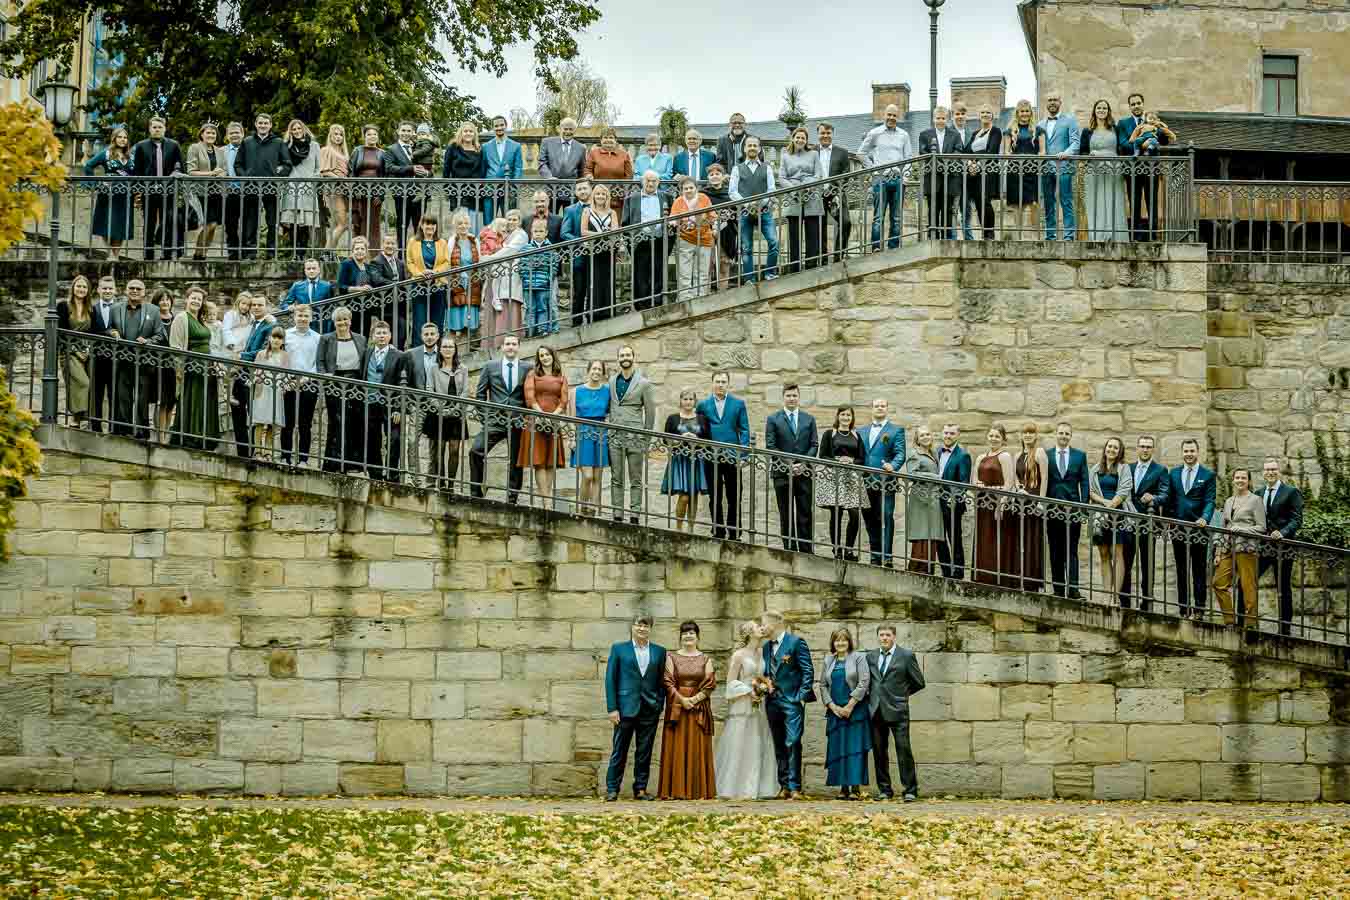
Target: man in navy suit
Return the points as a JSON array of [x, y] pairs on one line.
[[241, 397], [885, 450], [571, 231], [1068, 480], [693, 160], [635, 695], [729, 423], [158, 157], [1192, 489], [1284, 517], [1152, 487], [953, 466], [1141, 189], [310, 289], [506, 162], [793, 430], [787, 662]]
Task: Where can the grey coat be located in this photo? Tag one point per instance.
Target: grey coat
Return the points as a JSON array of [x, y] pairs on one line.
[[553, 163], [130, 325], [856, 673], [1124, 485], [799, 170], [923, 511], [491, 385], [638, 407], [328, 347]]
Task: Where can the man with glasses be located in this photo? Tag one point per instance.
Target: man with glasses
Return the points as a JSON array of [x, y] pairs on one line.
[[1061, 140], [731, 146], [1284, 517], [135, 320]]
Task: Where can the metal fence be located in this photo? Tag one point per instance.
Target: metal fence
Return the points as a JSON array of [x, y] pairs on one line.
[[417, 439], [1274, 221]]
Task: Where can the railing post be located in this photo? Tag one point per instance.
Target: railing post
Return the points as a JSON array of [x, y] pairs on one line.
[[1192, 213], [49, 358]]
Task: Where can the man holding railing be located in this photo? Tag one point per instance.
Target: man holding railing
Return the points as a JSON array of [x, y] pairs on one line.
[[135, 320], [885, 145], [649, 247]]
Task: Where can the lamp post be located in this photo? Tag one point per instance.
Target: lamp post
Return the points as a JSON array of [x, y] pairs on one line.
[[933, 7], [58, 103]]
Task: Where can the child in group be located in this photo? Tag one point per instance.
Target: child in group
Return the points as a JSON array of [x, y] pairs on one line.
[[536, 275], [269, 413], [1145, 138]]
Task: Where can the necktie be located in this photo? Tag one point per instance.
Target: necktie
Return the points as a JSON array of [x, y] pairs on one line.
[[1063, 462], [885, 661], [159, 158], [1190, 479], [693, 165], [311, 292], [792, 419], [510, 376], [1270, 497]]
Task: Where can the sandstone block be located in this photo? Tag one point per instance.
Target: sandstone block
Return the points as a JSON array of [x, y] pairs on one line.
[[941, 742], [314, 663], [339, 739], [1244, 743], [564, 780], [933, 703], [1328, 744], [443, 634], [297, 698], [408, 664], [1290, 784], [309, 779], [1311, 707], [375, 699], [207, 775], [262, 740], [999, 668], [1173, 743], [944, 667], [974, 702], [1085, 703], [1173, 781], [198, 631], [961, 779], [262, 779], [1124, 781], [1336, 784], [1048, 742], [1026, 641], [145, 776], [1098, 743], [471, 665], [424, 779], [468, 741], [100, 660], [508, 700], [542, 634], [1025, 701], [1229, 781], [547, 741], [438, 700], [403, 740], [1063, 668], [597, 635], [1074, 782], [218, 696], [38, 660], [1222, 706], [203, 662], [1150, 705], [351, 634], [489, 780], [359, 779], [1000, 742], [1028, 782]]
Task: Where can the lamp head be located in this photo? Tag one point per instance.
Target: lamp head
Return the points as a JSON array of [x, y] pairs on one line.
[[933, 4], [58, 102]]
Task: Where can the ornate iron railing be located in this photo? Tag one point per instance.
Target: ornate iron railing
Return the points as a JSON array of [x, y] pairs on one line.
[[1274, 221], [417, 439]]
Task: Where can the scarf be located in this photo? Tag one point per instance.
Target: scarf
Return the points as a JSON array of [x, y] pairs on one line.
[[299, 150]]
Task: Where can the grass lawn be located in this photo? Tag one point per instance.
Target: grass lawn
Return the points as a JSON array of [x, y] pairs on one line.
[[322, 852]]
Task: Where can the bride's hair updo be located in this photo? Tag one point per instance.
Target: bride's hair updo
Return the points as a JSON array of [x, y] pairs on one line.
[[747, 633]]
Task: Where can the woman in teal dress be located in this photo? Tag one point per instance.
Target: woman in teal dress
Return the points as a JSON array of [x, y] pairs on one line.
[[590, 455], [112, 204], [686, 477], [196, 424], [844, 680]]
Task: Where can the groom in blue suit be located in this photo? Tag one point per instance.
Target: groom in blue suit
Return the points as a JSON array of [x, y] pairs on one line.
[[885, 450], [504, 161], [787, 661], [635, 696], [729, 422]]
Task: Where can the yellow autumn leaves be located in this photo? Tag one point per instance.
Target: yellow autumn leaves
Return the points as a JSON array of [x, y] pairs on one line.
[[29, 152], [894, 852]]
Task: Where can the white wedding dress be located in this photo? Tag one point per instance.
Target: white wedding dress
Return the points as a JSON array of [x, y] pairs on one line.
[[744, 760]]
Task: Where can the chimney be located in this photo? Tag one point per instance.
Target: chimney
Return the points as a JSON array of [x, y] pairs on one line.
[[883, 95], [976, 92]]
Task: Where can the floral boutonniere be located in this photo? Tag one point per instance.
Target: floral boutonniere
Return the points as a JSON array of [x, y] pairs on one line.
[[885, 438]]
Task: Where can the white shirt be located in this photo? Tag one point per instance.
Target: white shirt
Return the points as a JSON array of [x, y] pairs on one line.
[[825, 153], [721, 407], [875, 432], [885, 145], [734, 189], [943, 455], [941, 139], [303, 348], [644, 656], [1050, 123]]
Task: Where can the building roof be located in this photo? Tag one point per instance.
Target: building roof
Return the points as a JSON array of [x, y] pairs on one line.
[[1255, 132]]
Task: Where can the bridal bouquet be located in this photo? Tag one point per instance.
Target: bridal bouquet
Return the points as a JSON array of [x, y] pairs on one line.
[[760, 688]]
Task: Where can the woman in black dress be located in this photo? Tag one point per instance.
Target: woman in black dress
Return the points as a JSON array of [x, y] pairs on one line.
[[444, 430], [163, 391], [839, 489], [685, 477], [113, 216], [1023, 138], [464, 159]]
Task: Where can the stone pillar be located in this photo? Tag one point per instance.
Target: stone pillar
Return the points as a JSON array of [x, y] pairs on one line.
[[884, 95], [977, 91]]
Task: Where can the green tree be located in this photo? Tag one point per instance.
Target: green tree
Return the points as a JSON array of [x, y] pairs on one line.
[[573, 90], [672, 123], [322, 61]]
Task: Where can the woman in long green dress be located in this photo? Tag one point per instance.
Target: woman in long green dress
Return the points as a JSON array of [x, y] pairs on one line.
[[196, 423]]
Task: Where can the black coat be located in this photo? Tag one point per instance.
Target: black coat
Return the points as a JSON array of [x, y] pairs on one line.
[[828, 451], [1155, 482], [382, 273], [704, 429], [1286, 512], [143, 158], [266, 158]]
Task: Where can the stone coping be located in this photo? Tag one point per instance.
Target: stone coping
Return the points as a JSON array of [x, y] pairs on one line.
[[1137, 630]]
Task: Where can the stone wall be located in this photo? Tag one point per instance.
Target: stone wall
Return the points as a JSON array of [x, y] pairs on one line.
[[1278, 353], [182, 623], [971, 332], [1108, 48]]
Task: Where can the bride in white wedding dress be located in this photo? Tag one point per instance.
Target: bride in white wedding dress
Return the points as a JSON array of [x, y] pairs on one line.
[[744, 760]]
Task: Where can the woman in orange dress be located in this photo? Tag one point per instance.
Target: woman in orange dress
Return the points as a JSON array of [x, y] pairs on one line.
[[998, 558], [542, 449], [686, 743]]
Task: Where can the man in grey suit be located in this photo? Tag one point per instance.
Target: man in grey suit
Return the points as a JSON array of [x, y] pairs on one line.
[[501, 381], [632, 403], [562, 157], [895, 677], [134, 320], [421, 365]]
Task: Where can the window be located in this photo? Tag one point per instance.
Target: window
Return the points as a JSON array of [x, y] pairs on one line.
[[1279, 86], [37, 78]]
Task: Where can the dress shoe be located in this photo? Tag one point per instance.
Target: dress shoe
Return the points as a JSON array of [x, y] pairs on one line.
[[632, 520], [643, 795], [783, 794], [796, 795], [881, 796], [910, 798]]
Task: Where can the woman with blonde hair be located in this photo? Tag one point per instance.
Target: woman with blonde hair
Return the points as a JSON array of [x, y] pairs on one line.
[[744, 763], [464, 159], [205, 161], [300, 201], [1023, 138], [334, 163], [113, 216]]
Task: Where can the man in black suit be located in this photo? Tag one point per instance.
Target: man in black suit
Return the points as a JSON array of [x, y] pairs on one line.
[[1068, 480], [940, 190], [383, 364], [1284, 517], [101, 376], [386, 269], [1151, 495], [649, 247], [541, 203], [895, 677], [1191, 492], [263, 154], [407, 209], [834, 161], [158, 157], [234, 200], [793, 430], [136, 321], [953, 466], [501, 381]]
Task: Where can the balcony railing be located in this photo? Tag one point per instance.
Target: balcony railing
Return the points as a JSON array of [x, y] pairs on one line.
[[1274, 221], [400, 435]]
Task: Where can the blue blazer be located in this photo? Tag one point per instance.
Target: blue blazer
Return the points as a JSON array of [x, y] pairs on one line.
[[257, 340], [1198, 502], [706, 158], [571, 223], [793, 677], [511, 165], [958, 465], [889, 447], [733, 427], [1073, 484], [323, 290], [1066, 137], [627, 691]]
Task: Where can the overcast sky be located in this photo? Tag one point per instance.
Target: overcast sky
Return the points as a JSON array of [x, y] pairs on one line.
[[738, 56]]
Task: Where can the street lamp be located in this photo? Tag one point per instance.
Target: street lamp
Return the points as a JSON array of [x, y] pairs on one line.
[[933, 7], [58, 103]]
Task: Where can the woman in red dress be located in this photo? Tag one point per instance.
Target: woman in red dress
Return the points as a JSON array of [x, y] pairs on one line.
[[542, 448], [997, 554], [686, 743]]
